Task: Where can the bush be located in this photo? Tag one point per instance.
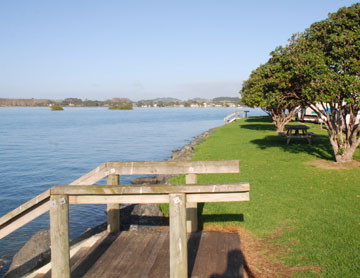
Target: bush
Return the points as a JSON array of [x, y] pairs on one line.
[[125, 106], [56, 107]]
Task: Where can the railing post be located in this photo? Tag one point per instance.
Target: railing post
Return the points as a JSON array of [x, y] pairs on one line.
[[178, 239], [59, 235], [191, 208], [113, 210]]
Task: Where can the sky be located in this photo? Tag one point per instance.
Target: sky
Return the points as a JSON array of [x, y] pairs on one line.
[[143, 49]]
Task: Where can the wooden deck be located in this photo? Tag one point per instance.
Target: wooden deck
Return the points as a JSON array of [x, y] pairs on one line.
[[146, 254]]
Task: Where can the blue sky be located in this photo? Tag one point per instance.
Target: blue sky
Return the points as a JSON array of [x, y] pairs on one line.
[[143, 49]]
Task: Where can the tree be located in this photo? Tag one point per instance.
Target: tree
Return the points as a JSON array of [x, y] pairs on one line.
[[269, 87], [328, 65]]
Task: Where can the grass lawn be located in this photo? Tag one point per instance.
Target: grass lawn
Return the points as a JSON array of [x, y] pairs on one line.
[[316, 210]]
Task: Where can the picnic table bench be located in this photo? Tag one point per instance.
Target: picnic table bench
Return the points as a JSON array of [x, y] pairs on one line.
[[297, 131]]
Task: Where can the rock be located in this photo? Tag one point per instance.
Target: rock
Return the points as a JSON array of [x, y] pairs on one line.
[[35, 253], [142, 217]]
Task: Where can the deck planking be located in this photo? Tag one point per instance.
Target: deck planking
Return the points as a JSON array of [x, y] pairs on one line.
[[135, 254]]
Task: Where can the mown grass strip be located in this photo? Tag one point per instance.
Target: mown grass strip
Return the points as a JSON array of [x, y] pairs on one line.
[[316, 209]]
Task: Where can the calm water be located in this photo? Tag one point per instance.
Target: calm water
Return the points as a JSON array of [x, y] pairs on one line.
[[40, 148]]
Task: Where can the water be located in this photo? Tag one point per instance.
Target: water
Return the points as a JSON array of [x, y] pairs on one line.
[[40, 148]]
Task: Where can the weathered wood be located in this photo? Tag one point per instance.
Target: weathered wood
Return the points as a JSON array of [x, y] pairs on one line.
[[120, 199], [218, 197], [191, 208], [85, 244], [23, 219], [93, 176], [113, 210], [235, 116], [178, 240], [59, 235], [210, 254], [172, 167], [150, 189], [24, 207], [159, 198]]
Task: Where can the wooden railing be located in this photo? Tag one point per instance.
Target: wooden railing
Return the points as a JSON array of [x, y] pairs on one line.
[[183, 201], [235, 116]]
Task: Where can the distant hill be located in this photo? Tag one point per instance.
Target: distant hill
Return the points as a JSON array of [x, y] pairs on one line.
[[228, 99], [198, 99], [163, 99]]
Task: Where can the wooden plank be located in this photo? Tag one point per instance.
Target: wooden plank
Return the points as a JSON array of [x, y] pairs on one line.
[[206, 257], [59, 235], [120, 199], [173, 167], [161, 267], [95, 261], [158, 199], [218, 197], [107, 259], [20, 221], [24, 207], [93, 176], [151, 253], [150, 189], [132, 264], [85, 244], [191, 208], [178, 239], [113, 210]]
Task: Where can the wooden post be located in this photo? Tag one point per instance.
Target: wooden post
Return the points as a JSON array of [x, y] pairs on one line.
[[178, 239], [59, 235], [113, 210], [191, 208]]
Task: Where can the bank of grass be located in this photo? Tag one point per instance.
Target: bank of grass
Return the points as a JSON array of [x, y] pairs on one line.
[[316, 210]]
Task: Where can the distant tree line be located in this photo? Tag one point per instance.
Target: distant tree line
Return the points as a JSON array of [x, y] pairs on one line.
[[159, 102], [25, 102]]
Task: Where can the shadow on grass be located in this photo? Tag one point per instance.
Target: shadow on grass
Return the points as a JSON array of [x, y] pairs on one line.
[[259, 123], [203, 218], [320, 147], [259, 127], [260, 119]]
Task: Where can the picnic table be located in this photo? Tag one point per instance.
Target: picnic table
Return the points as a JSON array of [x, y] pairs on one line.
[[297, 131]]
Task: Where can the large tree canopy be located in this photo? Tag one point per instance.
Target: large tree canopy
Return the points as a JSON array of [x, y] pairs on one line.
[[319, 68], [269, 87], [329, 67]]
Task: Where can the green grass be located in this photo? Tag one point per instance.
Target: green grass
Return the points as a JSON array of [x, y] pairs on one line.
[[318, 208]]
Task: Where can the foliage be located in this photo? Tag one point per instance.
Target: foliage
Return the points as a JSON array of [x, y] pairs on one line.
[[270, 88], [319, 68], [311, 212], [125, 106], [56, 107], [332, 47]]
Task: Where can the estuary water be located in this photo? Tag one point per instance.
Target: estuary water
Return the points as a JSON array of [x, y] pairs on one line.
[[40, 148]]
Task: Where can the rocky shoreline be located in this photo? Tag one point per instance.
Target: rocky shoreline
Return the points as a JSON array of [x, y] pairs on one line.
[[184, 154], [36, 252]]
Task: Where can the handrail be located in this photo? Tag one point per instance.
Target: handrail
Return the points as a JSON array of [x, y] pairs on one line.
[[40, 204], [183, 201], [178, 196], [235, 116], [24, 214]]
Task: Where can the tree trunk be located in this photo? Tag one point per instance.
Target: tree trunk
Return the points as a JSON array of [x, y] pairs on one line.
[[280, 119], [344, 152], [343, 134]]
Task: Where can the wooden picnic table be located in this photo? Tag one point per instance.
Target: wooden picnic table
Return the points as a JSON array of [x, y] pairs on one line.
[[297, 131]]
